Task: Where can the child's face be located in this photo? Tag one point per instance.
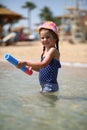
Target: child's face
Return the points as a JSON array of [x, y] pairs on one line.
[[47, 39]]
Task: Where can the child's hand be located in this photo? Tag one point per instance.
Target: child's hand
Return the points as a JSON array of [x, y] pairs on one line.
[[20, 64]]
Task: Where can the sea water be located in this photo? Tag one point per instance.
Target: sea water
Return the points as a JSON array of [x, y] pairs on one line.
[[23, 107]]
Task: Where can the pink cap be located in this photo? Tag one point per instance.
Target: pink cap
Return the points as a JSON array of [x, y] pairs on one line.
[[49, 25]]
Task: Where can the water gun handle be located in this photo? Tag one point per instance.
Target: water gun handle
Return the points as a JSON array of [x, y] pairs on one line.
[[14, 61]]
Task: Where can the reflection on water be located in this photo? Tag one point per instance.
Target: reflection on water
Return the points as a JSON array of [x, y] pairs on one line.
[[23, 107]]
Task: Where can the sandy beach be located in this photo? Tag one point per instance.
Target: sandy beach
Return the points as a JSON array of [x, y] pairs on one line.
[[31, 50]]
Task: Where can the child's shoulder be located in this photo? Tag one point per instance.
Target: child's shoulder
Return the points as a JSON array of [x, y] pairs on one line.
[[55, 53], [53, 49]]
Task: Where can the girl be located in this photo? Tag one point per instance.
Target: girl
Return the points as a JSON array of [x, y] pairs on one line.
[[50, 58]]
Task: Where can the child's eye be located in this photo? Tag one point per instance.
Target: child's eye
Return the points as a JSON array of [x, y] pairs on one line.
[[45, 37], [42, 37]]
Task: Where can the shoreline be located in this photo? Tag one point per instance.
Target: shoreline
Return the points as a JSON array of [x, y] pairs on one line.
[[66, 64], [77, 64]]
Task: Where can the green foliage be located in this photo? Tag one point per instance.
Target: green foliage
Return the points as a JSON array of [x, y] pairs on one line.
[[46, 14], [29, 5], [57, 21]]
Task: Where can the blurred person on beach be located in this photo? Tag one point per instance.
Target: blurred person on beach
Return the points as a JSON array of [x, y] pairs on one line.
[[50, 58], [12, 37]]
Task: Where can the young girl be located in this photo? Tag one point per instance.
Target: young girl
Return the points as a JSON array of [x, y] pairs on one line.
[[50, 58]]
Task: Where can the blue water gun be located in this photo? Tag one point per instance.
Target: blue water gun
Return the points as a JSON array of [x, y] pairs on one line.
[[14, 61]]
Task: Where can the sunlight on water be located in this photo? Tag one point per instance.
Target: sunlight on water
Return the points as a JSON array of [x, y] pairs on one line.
[[23, 107]]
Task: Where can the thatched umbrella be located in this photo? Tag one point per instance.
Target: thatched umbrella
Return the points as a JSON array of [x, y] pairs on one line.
[[8, 16]]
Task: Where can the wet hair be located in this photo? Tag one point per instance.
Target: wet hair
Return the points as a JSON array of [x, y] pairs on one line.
[[56, 45]]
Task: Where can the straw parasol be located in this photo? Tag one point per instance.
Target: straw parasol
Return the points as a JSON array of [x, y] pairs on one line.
[[8, 16]]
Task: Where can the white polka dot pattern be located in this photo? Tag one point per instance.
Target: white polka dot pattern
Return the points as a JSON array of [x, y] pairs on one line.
[[49, 73]]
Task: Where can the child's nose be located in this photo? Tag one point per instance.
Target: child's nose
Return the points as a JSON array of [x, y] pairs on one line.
[[45, 39]]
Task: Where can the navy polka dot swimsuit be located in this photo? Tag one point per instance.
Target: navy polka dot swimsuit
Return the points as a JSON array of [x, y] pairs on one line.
[[48, 76]]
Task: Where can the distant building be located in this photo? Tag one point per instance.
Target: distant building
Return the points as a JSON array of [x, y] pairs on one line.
[[75, 23]]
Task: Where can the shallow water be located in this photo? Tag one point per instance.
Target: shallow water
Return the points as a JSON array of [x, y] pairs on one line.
[[23, 107]]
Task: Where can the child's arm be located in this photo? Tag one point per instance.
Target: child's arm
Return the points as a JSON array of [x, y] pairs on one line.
[[38, 65]]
